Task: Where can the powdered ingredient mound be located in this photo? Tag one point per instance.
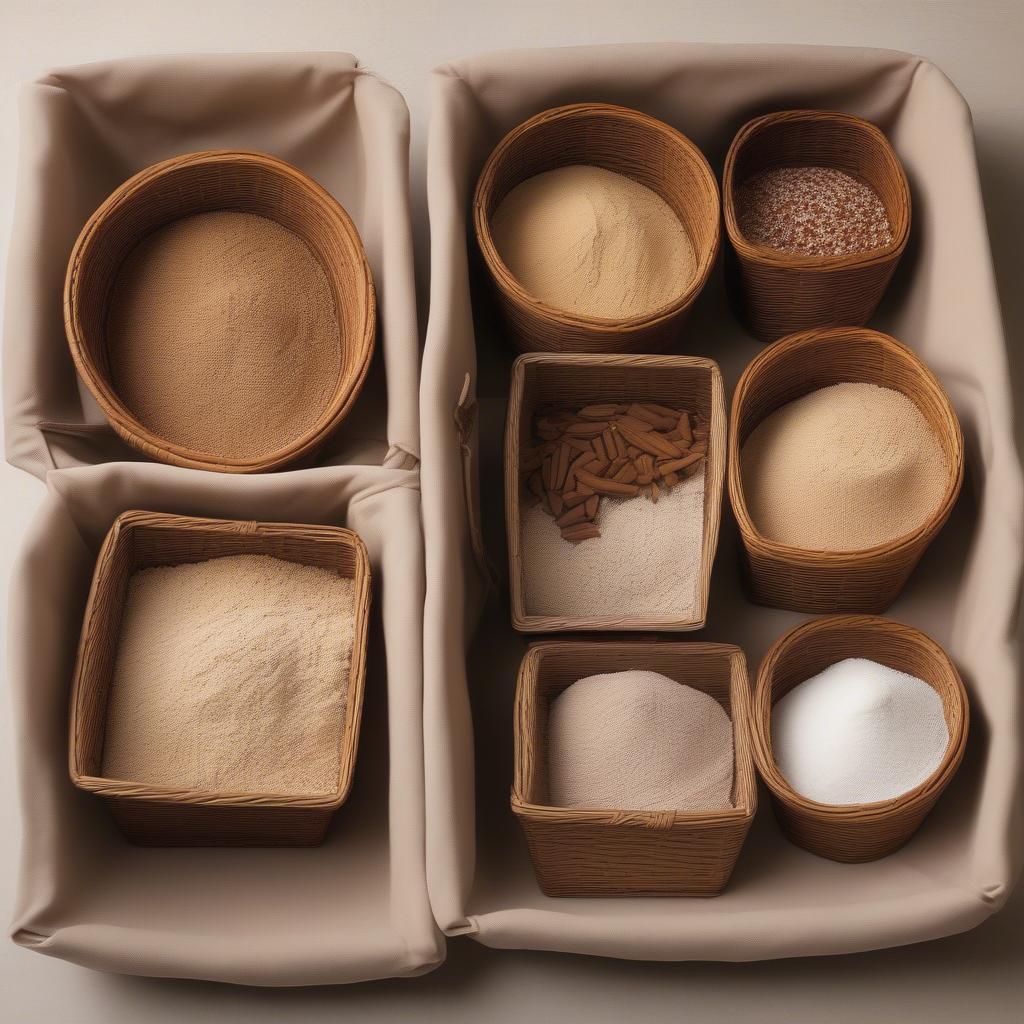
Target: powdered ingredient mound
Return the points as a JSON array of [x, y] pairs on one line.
[[589, 241], [232, 674], [637, 740], [223, 335], [843, 468]]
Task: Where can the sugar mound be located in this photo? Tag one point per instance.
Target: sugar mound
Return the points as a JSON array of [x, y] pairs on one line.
[[858, 732]]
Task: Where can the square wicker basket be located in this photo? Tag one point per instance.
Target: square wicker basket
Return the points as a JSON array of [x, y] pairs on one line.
[[574, 379], [164, 816], [615, 852]]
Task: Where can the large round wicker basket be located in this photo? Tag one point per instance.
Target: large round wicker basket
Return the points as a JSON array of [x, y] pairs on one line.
[[199, 183]]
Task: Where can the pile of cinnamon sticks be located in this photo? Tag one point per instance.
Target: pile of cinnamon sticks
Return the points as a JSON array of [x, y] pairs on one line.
[[619, 449]]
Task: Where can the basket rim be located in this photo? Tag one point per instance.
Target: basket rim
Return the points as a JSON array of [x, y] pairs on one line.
[[107, 786], [124, 422], [555, 316], [714, 485], [921, 796], [770, 257], [756, 541], [740, 699]]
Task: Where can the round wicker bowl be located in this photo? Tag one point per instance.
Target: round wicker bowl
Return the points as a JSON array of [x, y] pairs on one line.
[[782, 292], [199, 183], [617, 139], [836, 581], [855, 832]]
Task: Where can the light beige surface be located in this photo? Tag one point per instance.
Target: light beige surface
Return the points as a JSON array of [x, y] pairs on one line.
[[977, 976]]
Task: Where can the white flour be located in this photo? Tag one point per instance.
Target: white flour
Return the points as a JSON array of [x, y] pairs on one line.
[[646, 563], [637, 740]]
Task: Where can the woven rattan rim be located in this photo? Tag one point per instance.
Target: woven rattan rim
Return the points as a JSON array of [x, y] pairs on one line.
[[152, 793], [753, 539], [775, 258], [508, 283], [358, 351], [921, 797], [740, 717]]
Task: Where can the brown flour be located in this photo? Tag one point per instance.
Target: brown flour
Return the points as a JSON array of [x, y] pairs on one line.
[[223, 335], [590, 241], [842, 469], [231, 674], [638, 740]]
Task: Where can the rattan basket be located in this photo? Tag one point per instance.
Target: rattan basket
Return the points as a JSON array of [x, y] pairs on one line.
[[162, 816], [834, 581], [198, 183], [615, 851], [782, 292], [855, 832], [630, 143], [689, 382]]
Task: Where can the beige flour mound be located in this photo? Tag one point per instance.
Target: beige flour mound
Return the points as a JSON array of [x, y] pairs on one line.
[[842, 469], [590, 241], [223, 335], [232, 674], [638, 740], [645, 563]]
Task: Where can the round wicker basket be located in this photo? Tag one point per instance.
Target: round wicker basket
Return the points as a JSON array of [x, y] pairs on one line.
[[836, 581], [782, 292], [199, 183], [630, 143], [855, 832]]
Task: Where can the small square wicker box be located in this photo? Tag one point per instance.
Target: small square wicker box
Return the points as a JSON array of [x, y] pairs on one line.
[[691, 382], [163, 816], [616, 852]]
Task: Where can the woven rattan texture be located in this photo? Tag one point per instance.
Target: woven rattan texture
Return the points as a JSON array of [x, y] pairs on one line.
[[855, 832], [781, 292], [627, 142], [200, 183], [160, 815], [610, 852], [835, 581]]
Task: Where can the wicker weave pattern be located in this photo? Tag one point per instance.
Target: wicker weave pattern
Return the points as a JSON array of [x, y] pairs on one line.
[[829, 581], [621, 140], [160, 815], [199, 183], [689, 382], [614, 852], [783, 292], [855, 832]]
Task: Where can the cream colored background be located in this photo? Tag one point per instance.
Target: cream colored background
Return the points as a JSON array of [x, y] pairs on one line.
[[978, 976]]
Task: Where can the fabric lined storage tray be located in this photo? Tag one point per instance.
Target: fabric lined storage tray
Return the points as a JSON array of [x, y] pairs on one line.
[[352, 909], [781, 901], [87, 129]]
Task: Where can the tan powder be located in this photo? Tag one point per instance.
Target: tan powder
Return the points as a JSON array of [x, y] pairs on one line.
[[232, 674], [223, 335], [589, 241], [637, 740], [842, 469]]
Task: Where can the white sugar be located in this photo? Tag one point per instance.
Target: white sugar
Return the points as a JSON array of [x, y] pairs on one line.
[[858, 732]]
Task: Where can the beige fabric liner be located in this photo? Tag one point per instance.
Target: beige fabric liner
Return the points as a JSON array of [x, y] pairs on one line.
[[781, 901], [353, 909], [86, 129]]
